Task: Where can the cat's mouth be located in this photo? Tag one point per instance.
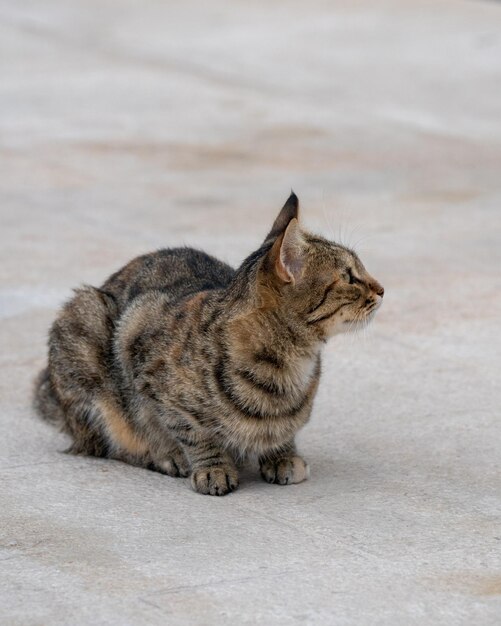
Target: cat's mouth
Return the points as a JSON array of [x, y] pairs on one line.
[[371, 315], [365, 316], [371, 310]]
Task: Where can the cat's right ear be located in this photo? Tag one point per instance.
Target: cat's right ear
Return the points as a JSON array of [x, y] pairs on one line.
[[289, 211]]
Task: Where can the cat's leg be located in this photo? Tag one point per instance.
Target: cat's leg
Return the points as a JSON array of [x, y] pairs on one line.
[[136, 445], [170, 459], [213, 471], [79, 390], [284, 466], [78, 375]]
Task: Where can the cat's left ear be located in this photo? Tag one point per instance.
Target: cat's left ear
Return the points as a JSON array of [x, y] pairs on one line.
[[288, 254], [289, 211]]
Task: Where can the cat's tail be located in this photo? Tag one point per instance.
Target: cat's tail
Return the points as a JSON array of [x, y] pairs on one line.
[[45, 401]]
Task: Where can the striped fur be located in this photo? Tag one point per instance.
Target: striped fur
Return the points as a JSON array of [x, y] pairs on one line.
[[181, 364]]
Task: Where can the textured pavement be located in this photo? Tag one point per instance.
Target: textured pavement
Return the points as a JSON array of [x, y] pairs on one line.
[[128, 126]]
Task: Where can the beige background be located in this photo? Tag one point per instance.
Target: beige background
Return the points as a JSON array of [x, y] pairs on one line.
[[128, 126]]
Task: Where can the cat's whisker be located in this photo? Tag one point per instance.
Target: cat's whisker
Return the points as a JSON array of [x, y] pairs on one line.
[[349, 238], [344, 238], [328, 222], [353, 327], [365, 327], [361, 240]]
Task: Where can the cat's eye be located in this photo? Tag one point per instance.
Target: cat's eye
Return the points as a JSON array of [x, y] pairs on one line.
[[352, 279]]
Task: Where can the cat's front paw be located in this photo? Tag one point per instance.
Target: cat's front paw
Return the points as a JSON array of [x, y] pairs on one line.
[[285, 471], [215, 481], [173, 466], [173, 463]]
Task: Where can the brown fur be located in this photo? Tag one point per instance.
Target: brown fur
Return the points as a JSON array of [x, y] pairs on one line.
[[181, 364]]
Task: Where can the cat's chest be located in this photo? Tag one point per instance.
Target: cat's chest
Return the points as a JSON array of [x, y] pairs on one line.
[[255, 438], [260, 414]]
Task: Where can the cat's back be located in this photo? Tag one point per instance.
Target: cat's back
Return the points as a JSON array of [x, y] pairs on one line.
[[176, 271]]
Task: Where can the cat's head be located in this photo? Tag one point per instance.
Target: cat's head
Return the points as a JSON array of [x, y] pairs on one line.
[[321, 284]]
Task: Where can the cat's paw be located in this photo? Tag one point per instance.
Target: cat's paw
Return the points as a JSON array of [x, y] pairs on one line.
[[175, 465], [215, 481], [285, 471]]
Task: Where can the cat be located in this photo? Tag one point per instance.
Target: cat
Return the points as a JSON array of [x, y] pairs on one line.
[[183, 365]]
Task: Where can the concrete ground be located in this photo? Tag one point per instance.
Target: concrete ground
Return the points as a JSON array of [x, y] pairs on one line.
[[129, 126]]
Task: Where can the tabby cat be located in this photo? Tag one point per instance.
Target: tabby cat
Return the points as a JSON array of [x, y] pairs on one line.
[[181, 364]]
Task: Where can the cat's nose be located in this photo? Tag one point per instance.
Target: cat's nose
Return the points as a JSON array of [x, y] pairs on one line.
[[378, 289]]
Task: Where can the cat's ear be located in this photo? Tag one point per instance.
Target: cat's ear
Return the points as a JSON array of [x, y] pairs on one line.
[[289, 253], [289, 211]]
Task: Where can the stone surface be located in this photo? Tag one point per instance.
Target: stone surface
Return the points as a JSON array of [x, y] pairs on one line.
[[134, 125]]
